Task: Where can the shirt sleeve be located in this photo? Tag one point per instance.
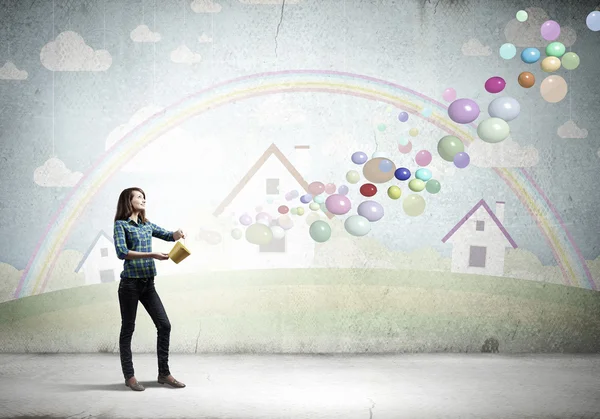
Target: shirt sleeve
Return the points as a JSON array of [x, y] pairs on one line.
[[120, 242], [161, 233]]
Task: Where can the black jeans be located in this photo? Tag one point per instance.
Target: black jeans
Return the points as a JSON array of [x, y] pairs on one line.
[[132, 290]]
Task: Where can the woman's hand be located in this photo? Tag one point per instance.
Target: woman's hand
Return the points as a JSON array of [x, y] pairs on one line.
[[160, 255], [179, 234]]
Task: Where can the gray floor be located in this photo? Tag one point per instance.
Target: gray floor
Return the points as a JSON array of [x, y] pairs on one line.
[[305, 386]]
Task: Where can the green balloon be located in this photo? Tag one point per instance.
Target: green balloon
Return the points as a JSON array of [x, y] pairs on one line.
[[555, 49], [320, 231], [433, 186], [448, 146], [570, 61], [259, 234], [416, 185]]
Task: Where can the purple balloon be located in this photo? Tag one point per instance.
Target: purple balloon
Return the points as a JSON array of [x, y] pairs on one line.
[[343, 190], [461, 160], [495, 84], [463, 111], [403, 117], [245, 220], [337, 204], [305, 199], [550, 30], [371, 210], [359, 157]]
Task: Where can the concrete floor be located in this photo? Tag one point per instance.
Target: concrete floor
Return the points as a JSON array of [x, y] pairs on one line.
[[304, 386]]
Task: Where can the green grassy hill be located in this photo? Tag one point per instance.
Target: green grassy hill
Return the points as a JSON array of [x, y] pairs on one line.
[[317, 310]]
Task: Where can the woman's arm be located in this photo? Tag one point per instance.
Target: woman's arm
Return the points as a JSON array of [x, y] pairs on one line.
[[124, 253], [161, 233], [132, 254]]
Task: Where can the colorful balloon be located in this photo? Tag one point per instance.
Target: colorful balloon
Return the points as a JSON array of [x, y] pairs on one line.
[[530, 55], [283, 209], [319, 199], [522, 15], [259, 234], [570, 61], [413, 132], [463, 111], [553, 89], [372, 170], [338, 204], [593, 21], [245, 220], [278, 232], [320, 231], [357, 225], [508, 51], [495, 84], [402, 173], [394, 192], [352, 177], [316, 188], [368, 189], [385, 165], [449, 94], [448, 146], [413, 205], [493, 130], [423, 174], [300, 211], [423, 158], [550, 64], [461, 160], [306, 198], [526, 79], [550, 30], [405, 149], [236, 233], [555, 49], [343, 190], [433, 186], [359, 157], [371, 210], [329, 188], [506, 108], [403, 116], [314, 206], [416, 185], [285, 222]]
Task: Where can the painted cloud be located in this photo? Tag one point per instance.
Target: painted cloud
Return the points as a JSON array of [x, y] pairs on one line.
[[570, 130], [54, 173], [10, 72], [205, 6], [69, 52], [474, 48], [183, 55], [143, 34]]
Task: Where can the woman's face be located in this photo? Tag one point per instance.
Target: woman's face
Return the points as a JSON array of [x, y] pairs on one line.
[[138, 202]]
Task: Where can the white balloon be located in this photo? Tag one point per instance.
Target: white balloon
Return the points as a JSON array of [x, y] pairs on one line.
[[493, 130], [506, 108], [357, 225], [278, 232]]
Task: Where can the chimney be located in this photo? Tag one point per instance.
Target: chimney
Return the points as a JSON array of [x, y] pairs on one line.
[[500, 211], [302, 161]]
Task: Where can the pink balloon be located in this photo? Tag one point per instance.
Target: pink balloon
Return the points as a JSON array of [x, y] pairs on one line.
[[338, 204], [449, 94], [405, 149], [329, 188], [495, 84], [423, 158], [316, 188]]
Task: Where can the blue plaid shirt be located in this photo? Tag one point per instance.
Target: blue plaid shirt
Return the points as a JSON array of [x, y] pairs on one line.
[[130, 235]]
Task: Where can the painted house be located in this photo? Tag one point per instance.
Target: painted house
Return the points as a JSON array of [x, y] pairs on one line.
[[479, 241], [267, 185], [100, 263]]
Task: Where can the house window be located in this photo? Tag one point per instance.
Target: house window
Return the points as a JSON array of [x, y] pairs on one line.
[[104, 252], [276, 246], [480, 226], [477, 256], [272, 186], [107, 276]]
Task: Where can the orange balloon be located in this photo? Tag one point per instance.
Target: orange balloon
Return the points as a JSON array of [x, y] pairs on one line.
[[526, 79]]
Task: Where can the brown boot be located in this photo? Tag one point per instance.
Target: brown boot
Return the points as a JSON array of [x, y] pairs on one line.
[[135, 385], [170, 380]]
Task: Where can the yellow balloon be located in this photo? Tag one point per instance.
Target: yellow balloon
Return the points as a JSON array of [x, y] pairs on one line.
[[416, 185], [413, 205], [550, 64], [314, 206], [300, 211], [553, 89], [394, 192], [259, 234], [413, 132], [352, 177]]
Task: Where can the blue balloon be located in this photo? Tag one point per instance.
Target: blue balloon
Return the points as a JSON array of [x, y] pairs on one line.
[[402, 173], [423, 174], [343, 190], [530, 55], [593, 21], [305, 199], [385, 165], [403, 117], [359, 157]]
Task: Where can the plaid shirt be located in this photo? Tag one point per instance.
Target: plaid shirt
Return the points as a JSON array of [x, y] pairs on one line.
[[130, 235]]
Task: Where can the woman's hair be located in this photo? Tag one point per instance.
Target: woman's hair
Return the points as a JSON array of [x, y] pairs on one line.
[[124, 207]]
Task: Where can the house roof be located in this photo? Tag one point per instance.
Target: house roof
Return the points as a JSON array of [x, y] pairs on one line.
[[272, 150], [87, 253], [483, 204]]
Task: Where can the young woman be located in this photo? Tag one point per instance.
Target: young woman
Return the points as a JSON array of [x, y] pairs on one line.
[[133, 242]]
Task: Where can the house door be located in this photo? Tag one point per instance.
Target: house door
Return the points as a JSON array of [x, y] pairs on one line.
[[107, 275]]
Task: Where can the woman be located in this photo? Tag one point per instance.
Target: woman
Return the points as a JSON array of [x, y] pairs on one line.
[[133, 242]]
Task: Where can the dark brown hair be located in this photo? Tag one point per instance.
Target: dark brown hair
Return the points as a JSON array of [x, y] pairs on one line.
[[124, 207]]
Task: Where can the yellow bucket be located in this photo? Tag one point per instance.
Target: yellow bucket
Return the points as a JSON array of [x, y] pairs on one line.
[[179, 252]]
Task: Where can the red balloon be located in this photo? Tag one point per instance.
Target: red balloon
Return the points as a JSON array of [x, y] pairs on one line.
[[368, 189], [283, 209]]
